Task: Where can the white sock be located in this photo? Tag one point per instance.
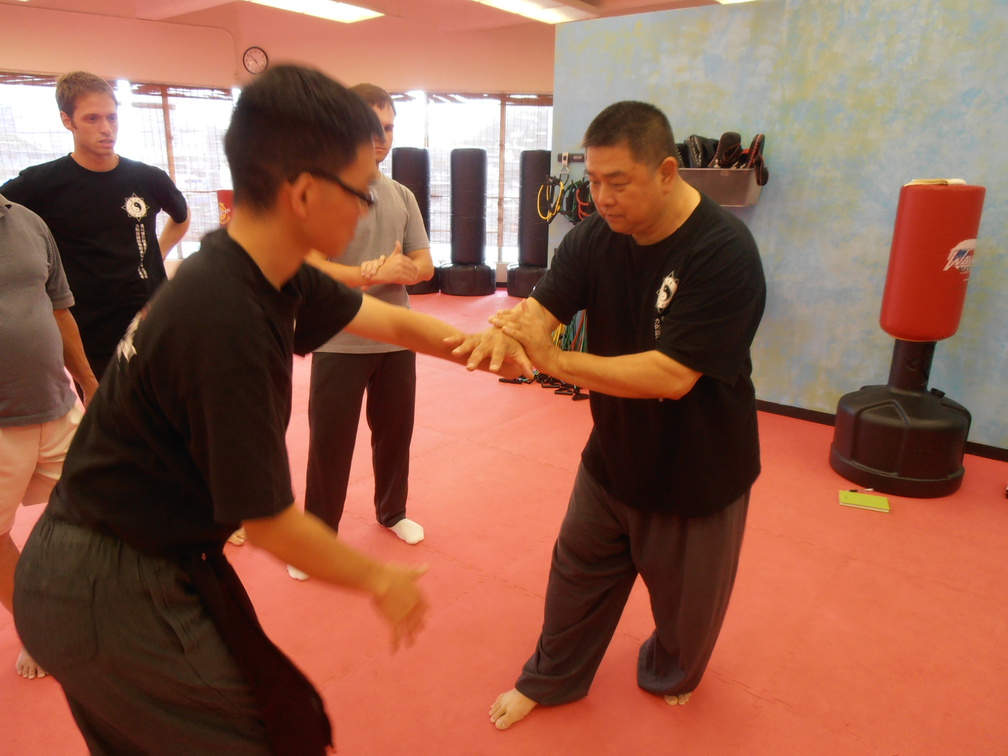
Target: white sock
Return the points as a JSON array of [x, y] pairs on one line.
[[408, 530], [295, 573]]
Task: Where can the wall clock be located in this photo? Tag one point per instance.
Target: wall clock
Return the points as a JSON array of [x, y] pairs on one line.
[[255, 60]]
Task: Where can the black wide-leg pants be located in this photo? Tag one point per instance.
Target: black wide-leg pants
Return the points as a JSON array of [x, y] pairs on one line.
[[687, 564], [338, 385], [143, 666]]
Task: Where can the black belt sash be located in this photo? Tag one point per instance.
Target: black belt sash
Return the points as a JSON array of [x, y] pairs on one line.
[[295, 717]]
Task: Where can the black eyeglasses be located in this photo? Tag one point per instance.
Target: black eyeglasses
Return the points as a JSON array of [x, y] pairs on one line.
[[368, 199]]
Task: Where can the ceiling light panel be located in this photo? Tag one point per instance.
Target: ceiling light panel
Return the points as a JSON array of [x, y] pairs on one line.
[[546, 11], [327, 9]]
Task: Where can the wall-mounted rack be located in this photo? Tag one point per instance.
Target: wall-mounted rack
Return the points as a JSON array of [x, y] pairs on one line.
[[731, 187]]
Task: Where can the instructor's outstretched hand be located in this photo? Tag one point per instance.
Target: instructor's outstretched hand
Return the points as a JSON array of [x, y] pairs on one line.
[[529, 328]]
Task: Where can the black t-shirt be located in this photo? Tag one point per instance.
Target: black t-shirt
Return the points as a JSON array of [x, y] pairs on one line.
[[105, 225], [186, 437], [698, 297]]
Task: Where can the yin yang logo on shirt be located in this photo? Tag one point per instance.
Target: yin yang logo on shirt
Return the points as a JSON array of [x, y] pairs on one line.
[[666, 291], [135, 207]]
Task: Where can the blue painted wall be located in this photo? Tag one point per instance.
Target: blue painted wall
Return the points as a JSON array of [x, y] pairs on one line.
[[856, 99]]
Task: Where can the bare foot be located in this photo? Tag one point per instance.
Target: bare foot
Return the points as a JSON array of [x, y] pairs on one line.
[[680, 699], [237, 538], [27, 667], [509, 708]]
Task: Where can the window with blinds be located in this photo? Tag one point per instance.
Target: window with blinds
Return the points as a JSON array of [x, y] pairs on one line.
[[502, 124], [181, 130]]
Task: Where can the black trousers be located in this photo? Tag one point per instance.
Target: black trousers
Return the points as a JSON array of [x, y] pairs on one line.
[[338, 385], [688, 566], [143, 667]]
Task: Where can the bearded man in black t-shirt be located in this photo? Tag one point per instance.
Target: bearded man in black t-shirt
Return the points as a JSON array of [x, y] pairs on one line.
[[673, 291]]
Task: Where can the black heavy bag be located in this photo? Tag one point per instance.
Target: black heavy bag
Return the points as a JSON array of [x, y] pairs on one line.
[[468, 274], [411, 168], [468, 206], [533, 230]]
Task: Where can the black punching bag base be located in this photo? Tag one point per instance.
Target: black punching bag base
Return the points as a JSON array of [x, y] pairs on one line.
[[468, 280], [426, 287], [521, 279], [905, 443]]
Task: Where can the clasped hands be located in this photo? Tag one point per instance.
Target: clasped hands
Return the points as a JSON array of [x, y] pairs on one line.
[[520, 336], [394, 267]]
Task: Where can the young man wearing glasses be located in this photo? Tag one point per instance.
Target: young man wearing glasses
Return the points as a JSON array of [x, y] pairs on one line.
[[123, 593]]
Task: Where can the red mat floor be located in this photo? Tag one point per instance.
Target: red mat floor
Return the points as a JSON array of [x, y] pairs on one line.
[[850, 631]]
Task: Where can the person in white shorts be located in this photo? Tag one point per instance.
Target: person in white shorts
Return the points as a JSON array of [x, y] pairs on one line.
[[39, 411]]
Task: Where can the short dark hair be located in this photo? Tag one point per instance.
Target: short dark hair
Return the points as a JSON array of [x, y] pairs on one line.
[[288, 121], [74, 85], [374, 96], [640, 126]]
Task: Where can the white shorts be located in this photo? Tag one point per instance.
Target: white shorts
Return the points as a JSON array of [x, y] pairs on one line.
[[31, 460]]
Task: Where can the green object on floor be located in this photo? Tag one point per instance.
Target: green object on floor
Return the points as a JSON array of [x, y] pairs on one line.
[[864, 501]]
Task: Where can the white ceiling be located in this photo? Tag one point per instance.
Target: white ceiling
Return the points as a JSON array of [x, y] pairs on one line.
[[455, 15]]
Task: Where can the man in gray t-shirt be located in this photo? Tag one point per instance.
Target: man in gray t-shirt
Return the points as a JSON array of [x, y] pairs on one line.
[[38, 410], [389, 251]]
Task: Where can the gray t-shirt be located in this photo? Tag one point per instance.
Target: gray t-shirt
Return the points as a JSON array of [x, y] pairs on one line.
[[34, 387], [395, 217]]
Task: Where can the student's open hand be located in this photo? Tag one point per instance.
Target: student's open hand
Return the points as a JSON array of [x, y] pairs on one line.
[[400, 600], [493, 344]]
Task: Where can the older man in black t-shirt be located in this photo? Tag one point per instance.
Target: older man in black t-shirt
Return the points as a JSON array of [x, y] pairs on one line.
[[674, 291]]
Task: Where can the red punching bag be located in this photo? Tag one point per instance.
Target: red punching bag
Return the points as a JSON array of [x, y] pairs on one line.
[[225, 202], [929, 264], [901, 438]]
